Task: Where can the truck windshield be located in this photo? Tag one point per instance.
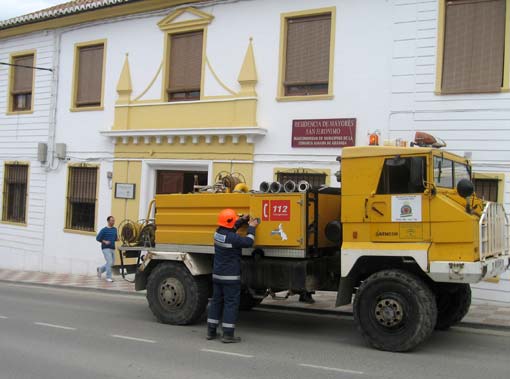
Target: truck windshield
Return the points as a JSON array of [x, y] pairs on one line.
[[448, 173]]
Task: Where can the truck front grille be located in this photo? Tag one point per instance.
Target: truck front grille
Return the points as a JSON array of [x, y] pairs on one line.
[[493, 228]]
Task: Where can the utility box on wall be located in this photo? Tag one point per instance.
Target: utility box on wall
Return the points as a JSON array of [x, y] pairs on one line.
[[42, 152], [61, 150]]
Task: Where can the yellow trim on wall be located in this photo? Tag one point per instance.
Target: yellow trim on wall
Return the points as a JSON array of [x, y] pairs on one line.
[[441, 41], [219, 81], [76, 64], [300, 170], [13, 56], [169, 27], [283, 52], [127, 171], [94, 15], [85, 165], [20, 163], [208, 113], [202, 19], [499, 176], [149, 86]]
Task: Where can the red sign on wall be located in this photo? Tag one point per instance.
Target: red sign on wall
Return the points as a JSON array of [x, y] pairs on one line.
[[334, 132], [275, 210]]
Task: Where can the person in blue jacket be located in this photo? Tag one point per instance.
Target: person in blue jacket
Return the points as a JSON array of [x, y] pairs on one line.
[[226, 276], [107, 237]]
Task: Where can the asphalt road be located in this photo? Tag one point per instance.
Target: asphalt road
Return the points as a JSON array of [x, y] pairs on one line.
[[62, 333]]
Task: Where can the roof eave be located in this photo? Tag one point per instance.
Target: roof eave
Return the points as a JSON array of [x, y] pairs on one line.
[[91, 15]]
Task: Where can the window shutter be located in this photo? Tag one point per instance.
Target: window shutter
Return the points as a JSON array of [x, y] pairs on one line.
[[185, 62], [23, 77], [308, 47], [474, 46], [82, 184], [90, 75]]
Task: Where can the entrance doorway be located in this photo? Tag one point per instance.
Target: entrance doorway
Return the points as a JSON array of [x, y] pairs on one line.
[[170, 181]]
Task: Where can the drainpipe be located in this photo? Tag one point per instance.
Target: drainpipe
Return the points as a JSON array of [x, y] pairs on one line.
[[52, 121]]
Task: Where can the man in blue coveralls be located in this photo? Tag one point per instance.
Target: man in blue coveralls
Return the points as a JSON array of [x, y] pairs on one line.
[[107, 237], [228, 246]]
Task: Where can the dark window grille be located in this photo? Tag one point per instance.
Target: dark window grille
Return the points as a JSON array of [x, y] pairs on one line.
[[81, 198], [487, 189], [15, 193], [315, 179]]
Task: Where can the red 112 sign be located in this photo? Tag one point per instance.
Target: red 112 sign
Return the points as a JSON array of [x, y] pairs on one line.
[[275, 210]]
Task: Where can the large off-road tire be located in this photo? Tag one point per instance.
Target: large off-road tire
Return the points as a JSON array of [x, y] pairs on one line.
[[247, 301], [175, 296], [453, 302], [395, 310]]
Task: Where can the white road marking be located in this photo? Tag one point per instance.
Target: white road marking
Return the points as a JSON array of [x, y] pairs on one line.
[[54, 326], [488, 332], [333, 369], [3, 317], [132, 338], [226, 353]]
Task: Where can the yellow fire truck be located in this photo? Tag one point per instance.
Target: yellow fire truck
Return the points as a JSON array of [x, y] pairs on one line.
[[403, 237]]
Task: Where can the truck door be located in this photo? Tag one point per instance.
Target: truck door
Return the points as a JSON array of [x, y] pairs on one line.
[[398, 211]]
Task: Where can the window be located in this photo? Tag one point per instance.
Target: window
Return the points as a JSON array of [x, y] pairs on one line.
[[81, 198], [474, 46], [22, 83], [185, 70], [403, 175], [89, 76], [448, 173], [15, 193], [314, 179], [308, 64], [487, 189]]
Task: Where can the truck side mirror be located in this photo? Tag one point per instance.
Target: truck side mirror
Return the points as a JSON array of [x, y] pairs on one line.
[[465, 188]]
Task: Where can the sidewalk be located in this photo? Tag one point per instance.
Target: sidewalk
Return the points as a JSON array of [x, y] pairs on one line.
[[481, 313]]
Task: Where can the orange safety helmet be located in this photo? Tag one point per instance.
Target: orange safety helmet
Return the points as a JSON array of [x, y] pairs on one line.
[[227, 218]]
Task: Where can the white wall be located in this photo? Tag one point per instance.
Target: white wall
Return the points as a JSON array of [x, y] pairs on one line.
[[477, 123], [21, 247], [384, 75]]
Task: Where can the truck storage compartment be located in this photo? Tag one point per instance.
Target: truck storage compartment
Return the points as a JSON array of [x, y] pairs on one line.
[[287, 219]]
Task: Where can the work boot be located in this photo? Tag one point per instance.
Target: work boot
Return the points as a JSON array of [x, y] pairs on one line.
[[306, 297], [230, 339], [211, 334]]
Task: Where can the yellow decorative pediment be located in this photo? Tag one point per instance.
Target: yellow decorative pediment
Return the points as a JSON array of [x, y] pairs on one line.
[[184, 18]]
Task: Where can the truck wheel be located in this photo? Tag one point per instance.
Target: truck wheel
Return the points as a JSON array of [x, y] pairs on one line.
[[175, 296], [395, 310], [453, 302], [247, 300]]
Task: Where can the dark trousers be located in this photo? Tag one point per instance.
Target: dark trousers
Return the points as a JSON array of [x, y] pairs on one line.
[[224, 306]]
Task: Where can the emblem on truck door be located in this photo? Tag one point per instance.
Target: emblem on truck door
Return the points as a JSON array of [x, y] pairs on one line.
[[279, 232]]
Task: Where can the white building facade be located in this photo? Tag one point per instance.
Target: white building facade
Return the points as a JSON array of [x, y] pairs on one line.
[[378, 70]]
